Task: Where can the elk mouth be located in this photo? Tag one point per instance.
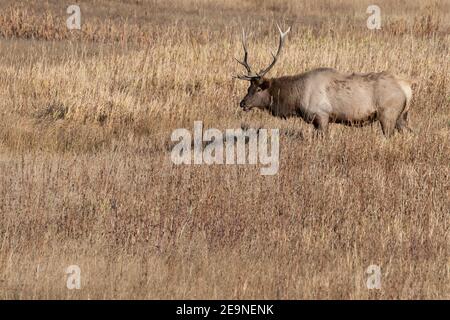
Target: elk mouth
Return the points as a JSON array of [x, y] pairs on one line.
[[244, 106]]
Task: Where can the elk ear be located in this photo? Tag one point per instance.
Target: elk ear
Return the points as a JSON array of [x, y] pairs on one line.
[[265, 84]]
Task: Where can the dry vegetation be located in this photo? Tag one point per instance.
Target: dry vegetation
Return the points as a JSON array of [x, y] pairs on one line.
[[86, 178]]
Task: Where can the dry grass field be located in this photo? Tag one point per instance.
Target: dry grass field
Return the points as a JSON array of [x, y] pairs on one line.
[[86, 177]]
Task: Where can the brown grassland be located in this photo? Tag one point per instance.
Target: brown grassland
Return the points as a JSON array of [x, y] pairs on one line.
[[86, 177]]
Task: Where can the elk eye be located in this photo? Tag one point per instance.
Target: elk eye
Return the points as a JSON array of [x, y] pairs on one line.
[[258, 89]]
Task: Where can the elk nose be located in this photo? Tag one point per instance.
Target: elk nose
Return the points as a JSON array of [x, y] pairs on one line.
[[242, 104]]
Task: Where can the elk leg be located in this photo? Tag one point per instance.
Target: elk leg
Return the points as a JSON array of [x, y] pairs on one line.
[[402, 123], [388, 119], [387, 126], [320, 123]]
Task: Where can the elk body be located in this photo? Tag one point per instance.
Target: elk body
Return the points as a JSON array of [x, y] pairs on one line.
[[322, 96]]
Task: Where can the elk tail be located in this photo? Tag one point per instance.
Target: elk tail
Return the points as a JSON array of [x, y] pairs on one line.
[[406, 86]]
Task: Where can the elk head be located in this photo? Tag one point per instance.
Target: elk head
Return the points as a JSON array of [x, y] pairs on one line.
[[258, 93]]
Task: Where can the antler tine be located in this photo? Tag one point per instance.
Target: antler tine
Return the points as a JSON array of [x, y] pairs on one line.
[[275, 56], [244, 77], [245, 61]]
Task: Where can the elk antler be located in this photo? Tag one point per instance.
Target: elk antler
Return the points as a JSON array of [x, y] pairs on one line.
[[275, 56], [250, 74]]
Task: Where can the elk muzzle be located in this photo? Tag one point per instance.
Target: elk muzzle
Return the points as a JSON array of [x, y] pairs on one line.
[[244, 106]]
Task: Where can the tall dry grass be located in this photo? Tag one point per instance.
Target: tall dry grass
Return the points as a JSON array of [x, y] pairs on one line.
[[86, 176]]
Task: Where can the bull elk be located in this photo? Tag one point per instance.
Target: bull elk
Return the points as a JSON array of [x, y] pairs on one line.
[[324, 95]]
